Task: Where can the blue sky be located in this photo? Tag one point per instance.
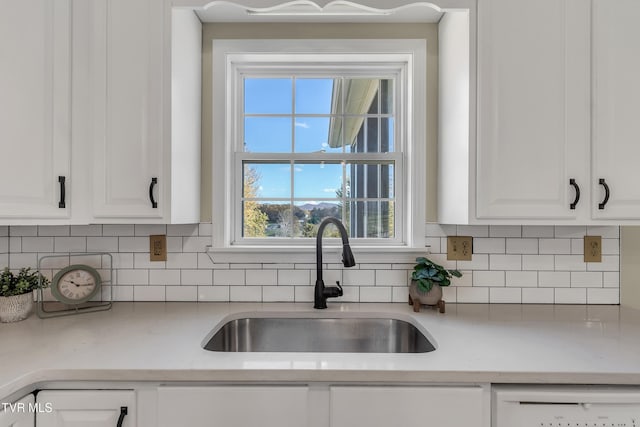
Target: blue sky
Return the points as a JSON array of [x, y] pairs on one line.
[[274, 134]]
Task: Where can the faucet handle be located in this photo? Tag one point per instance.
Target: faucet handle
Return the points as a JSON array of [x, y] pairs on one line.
[[340, 293]]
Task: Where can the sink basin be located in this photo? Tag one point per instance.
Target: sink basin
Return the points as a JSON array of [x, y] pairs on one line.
[[318, 334]]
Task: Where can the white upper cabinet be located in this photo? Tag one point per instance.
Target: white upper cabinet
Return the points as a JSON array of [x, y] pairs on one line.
[[98, 122], [616, 103], [141, 169], [127, 101], [35, 122], [556, 116], [533, 108]]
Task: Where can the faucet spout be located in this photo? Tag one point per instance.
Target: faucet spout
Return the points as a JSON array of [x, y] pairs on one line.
[[321, 292]]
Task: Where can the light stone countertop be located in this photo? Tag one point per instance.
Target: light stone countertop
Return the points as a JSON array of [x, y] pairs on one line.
[[476, 343]]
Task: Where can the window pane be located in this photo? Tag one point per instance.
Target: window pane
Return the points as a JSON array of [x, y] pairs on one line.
[[271, 219], [386, 96], [314, 213], [374, 219], [317, 180], [267, 134], [360, 96], [370, 180], [267, 96], [312, 135], [386, 135], [267, 180], [316, 96]]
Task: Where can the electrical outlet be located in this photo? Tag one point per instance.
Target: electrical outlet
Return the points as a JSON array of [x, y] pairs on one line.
[[158, 247], [592, 248], [459, 248]]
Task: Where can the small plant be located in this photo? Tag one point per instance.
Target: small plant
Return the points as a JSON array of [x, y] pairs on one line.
[[427, 273], [24, 282]]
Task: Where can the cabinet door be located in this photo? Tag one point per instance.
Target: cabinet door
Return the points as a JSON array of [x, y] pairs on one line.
[[533, 107], [616, 115], [81, 408], [127, 109], [35, 88], [233, 406], [407, 406], [18, 414]]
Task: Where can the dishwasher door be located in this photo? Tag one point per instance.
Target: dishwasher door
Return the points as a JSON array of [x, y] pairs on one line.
[[562, 406]]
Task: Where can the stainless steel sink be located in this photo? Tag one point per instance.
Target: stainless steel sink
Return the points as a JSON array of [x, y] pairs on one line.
[[313, 334]]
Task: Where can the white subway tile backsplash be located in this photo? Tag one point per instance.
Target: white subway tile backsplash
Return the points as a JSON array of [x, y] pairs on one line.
[[182, 260], [117, 230], [164, 277], [505, 262], [522, 246], [294, 277], [554, 279], [537, 295], [133, 244], [228, 277], [505, 295], [570, 296], [54, 230], [570, 263], [522, 279], [510, 264], [278, 293], [375, 293], [70, 244], [213, 293], [86, 230], [262, 277], [391, 278], [488, 278], [132, 277], [603, 296], [538, 262], [353, 277], [37, 244], [505, 231], [609, 263], [181, 293], [149, 293], [554, 246], [245, 293], [537, 231], [196, 277], [489, 245], [584, 279], [472, 295]]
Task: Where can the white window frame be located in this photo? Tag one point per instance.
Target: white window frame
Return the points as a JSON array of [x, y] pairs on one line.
[[405, 58]]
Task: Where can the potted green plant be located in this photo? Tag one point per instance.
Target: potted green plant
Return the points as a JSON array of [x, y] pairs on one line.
[[427, 280], [16, 293]]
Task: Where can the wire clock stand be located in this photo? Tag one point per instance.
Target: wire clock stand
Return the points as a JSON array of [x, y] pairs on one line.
[[102, 261]]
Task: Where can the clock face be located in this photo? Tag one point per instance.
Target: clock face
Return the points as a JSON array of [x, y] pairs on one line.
[[75, 284]]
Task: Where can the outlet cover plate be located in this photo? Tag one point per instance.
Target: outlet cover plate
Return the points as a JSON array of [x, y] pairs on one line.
[[158, 247], [459, 248], [592, 248]]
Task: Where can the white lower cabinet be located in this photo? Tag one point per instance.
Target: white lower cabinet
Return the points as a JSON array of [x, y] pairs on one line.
[[87, 408], [319, 405], [233, 406], [18, 414], [407, 406]]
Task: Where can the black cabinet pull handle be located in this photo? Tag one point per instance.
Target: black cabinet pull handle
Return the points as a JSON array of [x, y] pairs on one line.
[[123, 413], [61, 203], [154, 204], [573, 183], [607, 193]]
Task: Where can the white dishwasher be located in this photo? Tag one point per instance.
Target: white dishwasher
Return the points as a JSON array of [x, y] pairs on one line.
[[564, 406]]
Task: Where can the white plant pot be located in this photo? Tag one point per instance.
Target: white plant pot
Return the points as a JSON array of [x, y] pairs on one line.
[[16, 308]]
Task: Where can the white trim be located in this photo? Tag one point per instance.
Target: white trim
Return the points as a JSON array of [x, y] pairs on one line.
[[229, 56]]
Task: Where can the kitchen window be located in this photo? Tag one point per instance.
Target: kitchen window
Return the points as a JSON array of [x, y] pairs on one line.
[[315, 128]]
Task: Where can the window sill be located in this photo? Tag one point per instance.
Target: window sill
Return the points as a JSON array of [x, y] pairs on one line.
[[307, 254]]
